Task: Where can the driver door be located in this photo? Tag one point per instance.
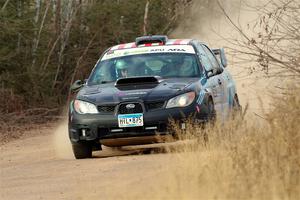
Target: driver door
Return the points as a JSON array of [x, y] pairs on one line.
[[222, 94], [216, 81]]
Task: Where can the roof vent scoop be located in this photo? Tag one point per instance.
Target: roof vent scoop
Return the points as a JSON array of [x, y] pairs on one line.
[[151, 39]]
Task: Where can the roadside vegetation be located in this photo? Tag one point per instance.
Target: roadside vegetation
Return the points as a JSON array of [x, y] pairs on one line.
[[240, 159]]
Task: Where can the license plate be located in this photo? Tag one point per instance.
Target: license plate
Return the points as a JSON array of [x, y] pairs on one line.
[[131, 120]]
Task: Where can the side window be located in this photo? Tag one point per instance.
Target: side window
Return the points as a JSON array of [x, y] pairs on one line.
[[205, 61], [211, 57]]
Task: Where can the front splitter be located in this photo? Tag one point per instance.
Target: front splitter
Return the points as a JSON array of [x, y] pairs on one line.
[[139, 140]]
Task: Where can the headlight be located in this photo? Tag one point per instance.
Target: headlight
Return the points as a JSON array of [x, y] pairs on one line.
[[182, 100], [84, 107]]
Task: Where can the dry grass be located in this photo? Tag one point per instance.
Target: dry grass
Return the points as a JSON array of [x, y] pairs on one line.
[[243, 159]]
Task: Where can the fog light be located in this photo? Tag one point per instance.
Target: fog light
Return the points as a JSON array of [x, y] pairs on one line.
[[183, 126], [116, 130], [83, 131], [151, 128]]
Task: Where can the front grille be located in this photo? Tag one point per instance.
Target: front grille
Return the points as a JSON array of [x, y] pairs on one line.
[[106, 109], [155, 105], [126, 110]]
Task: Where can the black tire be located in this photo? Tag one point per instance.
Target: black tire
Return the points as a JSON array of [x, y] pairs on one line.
[[211, 118], [207, 121], [236, 107], [82, 150], [211, 111]]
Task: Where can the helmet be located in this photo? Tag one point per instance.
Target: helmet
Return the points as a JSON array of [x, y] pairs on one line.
[[178, 59], [187, 69], [121, 64]]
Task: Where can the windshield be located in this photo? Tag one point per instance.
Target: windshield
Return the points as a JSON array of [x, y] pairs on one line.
[[166, 65]]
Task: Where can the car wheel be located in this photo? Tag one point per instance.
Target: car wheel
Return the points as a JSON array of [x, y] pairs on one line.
[[211, 111], [236, 107], [82, 150]]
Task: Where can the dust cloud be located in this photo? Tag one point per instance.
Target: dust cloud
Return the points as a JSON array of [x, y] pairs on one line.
[[61, 141], [63, 147], [213, 28]]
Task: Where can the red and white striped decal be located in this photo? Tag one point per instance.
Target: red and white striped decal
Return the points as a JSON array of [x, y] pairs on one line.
[[151, 44], [178, 41], [124, 46], [121, 46], [169, 42]]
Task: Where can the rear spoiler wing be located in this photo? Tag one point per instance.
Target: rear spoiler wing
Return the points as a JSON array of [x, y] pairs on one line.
[[220, 54]]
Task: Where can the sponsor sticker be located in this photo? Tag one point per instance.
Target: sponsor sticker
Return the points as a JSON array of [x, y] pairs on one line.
[[152, 49]]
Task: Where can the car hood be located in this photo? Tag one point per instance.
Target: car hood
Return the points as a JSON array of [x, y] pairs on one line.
[[110, 94]]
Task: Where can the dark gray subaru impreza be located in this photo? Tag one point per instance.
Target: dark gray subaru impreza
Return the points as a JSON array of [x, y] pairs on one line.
[[136, 88]]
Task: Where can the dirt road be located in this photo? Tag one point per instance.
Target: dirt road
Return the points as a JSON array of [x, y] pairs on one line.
[[37, 168]]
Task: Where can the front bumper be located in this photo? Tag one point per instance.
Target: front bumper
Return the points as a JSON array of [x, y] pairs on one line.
[[105, 126]]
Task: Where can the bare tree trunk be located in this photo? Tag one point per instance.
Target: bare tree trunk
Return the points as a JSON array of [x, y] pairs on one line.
[[69, 23], [79, 62], [81, 26], [36, 20], [58, 19], [42, 25], [146, 17], [55, 40], [57, 15], [19, 14], [36, 40], [69, 14], [4, 6], [30, 69]]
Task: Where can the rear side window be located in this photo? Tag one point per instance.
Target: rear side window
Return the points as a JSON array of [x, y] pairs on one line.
[[204, 58], [211, 57]]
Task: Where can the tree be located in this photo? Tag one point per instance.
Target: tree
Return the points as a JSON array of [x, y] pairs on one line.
[[45, 45], [275, 44]]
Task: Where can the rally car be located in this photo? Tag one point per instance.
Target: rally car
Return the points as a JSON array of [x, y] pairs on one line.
[[136, 88]]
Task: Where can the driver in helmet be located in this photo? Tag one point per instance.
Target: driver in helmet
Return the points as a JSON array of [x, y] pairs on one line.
[[122, 69], [173, 68], [187, 69]]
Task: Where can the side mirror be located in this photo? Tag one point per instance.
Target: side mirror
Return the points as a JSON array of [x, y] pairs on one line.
[[219, 71], [214, 72], [76, 85], [210, 74], [220, 54]]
